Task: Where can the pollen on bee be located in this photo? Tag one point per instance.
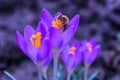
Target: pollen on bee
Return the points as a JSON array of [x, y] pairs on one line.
[[57, 23], [36, 40], [72, 50], [60, 22]]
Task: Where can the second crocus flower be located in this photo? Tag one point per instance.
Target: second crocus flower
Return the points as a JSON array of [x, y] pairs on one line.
[[71, 56], [90, 52]]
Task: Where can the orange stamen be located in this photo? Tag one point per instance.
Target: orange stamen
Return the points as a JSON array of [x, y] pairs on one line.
[[89, 46], [36, 40], [72, 50]]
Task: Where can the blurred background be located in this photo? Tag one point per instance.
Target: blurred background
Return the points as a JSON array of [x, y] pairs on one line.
[[99, 19]]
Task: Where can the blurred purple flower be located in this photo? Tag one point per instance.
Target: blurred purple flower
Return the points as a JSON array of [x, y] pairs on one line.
[[34, 43], [90, 50], [71, 56], [60, 28]]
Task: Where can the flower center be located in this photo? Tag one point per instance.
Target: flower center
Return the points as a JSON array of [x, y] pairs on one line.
[[61, 23], [36, 40], [72, 50], [89, 46]]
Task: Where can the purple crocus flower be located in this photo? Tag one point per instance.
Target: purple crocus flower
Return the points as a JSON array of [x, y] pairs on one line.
[[60, 28], [71, 56], [34, 43], [90, 50]]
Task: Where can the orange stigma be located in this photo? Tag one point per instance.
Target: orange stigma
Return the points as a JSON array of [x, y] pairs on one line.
[[36, 40], [72, 50], [89, 46]]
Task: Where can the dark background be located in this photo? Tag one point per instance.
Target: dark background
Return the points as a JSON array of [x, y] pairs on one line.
[[99, 19]]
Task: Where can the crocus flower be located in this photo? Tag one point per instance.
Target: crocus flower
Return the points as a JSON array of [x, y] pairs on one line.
[[60, 28], [34, 44], [90, 50], [71, 56]]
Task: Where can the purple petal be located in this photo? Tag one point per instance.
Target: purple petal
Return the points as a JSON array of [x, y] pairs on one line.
[[88, 58], [84, 51], [78, 56], [65, 53], [21, 42], [44, 50], [46, 16], [31, 52], [67, 35], [71, 61], [83, 48], [41, 28], [47, 59], [55, 37], [93, 42], [28, 32], [74, 22], [76, 44], [95, 52]]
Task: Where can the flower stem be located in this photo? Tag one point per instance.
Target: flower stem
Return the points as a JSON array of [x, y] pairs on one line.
[[69, 73], [86, 71], [55, 67], [39, 73], [45, 74], [68, 76]]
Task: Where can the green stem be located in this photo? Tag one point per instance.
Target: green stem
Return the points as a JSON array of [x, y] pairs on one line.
[[69, 73], [55, 67], [68, 76], [45, 73], [86, 71], [39, 73]]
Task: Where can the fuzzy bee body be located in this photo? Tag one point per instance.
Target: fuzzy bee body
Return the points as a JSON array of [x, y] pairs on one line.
[[66, 26], [64, 22]]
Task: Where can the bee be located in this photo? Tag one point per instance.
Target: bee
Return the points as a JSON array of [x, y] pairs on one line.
[[64, 22]]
